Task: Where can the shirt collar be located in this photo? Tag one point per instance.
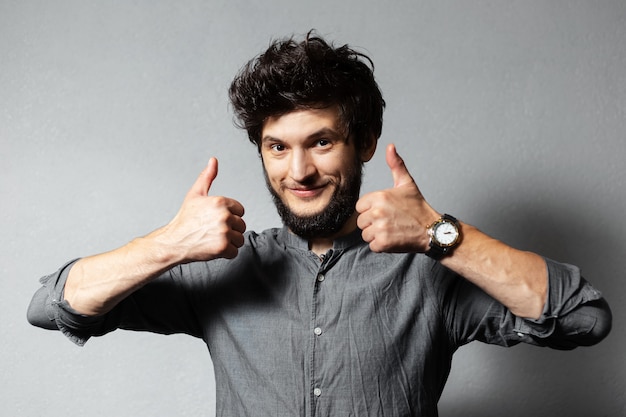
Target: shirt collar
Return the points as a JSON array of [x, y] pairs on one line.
[[344, 242]]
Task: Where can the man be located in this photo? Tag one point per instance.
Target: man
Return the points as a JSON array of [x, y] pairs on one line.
[[356, 305]]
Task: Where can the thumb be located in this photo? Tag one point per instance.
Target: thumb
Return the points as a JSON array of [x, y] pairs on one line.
[[400, 173], [205, 179]]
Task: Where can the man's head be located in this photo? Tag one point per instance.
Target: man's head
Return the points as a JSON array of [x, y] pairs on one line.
[[310, 74], [315, 113]]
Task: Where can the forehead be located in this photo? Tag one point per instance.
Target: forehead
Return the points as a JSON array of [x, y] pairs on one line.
[[302, 123]]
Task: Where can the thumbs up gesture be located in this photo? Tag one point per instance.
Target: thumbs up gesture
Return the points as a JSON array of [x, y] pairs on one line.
[[206, 227], [395, 219]]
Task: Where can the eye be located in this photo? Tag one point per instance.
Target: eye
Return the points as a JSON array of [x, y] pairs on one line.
[[277, 147], [323, 143]]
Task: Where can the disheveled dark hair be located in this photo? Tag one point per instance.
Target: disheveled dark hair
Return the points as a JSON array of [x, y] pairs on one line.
[[309, 74]]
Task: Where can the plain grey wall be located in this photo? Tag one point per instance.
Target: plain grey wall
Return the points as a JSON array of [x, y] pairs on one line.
[[108, 111]]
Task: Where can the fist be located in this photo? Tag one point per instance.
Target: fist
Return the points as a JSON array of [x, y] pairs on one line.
[[207, 227], [396, 219]]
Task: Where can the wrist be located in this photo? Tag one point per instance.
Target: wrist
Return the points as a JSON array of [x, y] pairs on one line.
[[159, 248]]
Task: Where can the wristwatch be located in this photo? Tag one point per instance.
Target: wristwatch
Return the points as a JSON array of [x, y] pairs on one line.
[[444, 235]]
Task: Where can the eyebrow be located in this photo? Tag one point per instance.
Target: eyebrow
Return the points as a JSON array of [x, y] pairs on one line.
[[325, 131]]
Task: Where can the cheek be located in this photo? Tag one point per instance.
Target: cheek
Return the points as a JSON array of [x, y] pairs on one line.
[[273, 171], [341, 169], [333, 164]]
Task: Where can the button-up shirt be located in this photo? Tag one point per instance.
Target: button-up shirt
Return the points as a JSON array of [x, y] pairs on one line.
[[352, 333]]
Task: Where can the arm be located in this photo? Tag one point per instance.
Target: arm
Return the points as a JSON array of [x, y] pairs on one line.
[[205, 228], [396, 220], [517, 279]]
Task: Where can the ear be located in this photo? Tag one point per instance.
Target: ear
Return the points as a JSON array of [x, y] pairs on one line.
[[368, 150]]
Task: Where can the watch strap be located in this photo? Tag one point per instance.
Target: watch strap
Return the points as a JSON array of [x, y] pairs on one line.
[[436, 252]]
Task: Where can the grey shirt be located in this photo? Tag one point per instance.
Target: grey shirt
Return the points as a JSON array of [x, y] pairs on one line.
[[356, 333]]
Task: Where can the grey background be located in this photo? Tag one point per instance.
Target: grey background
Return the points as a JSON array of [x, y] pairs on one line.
[[510, 115]]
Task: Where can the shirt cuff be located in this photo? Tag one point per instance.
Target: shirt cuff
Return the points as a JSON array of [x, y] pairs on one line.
[[567, 290], [67, 320]]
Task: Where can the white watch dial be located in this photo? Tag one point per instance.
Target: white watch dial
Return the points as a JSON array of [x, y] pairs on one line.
[[446, 233]]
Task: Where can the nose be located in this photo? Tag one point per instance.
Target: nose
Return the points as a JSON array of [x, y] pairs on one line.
[[301, 167]]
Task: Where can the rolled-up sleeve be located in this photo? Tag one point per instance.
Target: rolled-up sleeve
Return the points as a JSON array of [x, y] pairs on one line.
[[162, 306], [575, 313], [49, 310]]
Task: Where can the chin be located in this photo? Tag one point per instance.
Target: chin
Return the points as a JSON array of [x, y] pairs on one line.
[[308, 210]]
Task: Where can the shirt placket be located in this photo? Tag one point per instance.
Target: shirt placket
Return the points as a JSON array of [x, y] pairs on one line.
[[317, 331]]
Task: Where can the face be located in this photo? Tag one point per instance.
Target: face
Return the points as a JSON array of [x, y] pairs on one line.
[[312, 171]]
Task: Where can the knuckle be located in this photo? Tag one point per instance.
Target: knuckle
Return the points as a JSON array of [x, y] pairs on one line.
[[361, 222], [221, 218], [378, 213], [223, 230], [219, 201], [221, 244], [375, 247]]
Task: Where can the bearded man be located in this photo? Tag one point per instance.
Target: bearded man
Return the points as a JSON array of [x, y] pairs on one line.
[[356, 305]]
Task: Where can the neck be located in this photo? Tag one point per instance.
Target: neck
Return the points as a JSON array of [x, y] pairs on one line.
[[321, 245]]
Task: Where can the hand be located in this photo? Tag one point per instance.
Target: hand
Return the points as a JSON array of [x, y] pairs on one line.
[[396, 219], [206, 227]]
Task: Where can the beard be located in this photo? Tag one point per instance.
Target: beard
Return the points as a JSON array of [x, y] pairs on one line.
[[331, 218]]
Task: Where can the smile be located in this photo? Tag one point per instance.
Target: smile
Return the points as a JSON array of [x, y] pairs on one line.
[[306, 192]]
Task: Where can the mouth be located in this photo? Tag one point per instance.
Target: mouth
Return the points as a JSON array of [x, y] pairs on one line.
[[306, 193]]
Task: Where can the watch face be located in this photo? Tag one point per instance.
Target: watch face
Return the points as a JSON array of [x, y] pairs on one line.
[[446, 233]]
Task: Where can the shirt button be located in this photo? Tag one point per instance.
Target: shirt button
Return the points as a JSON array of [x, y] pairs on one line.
[[321, 277], [317, 331], [519, 334], [317, 392]]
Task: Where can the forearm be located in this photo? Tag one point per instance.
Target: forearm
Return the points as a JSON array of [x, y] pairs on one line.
[[97, 283], [517, 279], [205, 228]]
